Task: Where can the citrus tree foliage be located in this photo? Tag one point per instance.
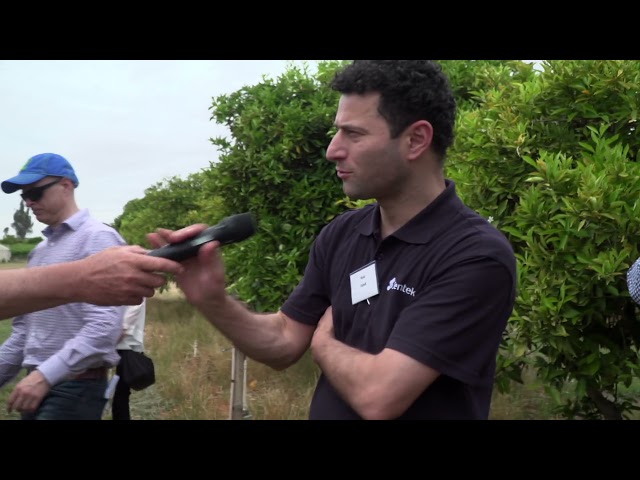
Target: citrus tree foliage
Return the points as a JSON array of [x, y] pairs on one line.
[[274, 166], [173, 203], [552, 159], [469, 78], [22, 223]]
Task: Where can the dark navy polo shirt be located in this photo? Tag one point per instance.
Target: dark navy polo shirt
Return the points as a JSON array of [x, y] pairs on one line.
[[446, 282]]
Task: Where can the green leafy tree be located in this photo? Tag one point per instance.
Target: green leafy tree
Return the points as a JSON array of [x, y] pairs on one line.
[[552, 159], [22, 222], [173, 203], [274, 166]]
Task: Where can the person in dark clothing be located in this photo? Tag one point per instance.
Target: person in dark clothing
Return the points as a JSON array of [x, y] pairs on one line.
[[132, 339]]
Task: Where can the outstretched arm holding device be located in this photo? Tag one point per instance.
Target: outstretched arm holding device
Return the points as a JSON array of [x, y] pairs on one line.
[[116, 276]]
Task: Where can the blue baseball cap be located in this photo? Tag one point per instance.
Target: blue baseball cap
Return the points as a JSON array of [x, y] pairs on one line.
[[38, 167]]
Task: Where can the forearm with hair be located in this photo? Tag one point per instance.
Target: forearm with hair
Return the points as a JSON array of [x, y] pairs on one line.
[[266, 338], [26, 290]]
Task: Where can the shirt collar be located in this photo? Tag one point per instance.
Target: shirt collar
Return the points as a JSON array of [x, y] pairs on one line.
[[424, 226], [72, 223]]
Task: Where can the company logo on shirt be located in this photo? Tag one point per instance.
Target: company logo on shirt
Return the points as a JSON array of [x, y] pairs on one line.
[[393, 285]]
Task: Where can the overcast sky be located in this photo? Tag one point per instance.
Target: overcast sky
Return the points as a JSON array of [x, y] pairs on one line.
[[123, 124]]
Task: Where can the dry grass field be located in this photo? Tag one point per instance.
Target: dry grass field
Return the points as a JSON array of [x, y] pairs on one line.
[[193, 372]]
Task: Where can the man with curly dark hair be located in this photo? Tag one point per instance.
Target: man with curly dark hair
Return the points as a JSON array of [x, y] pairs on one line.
[[404, 301]]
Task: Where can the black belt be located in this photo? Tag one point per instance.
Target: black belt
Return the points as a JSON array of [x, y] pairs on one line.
[[98, 373]]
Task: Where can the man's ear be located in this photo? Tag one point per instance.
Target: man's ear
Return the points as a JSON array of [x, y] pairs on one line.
[[419, 136]]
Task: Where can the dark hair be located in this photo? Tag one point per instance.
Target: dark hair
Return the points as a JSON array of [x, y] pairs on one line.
[[410, 90]]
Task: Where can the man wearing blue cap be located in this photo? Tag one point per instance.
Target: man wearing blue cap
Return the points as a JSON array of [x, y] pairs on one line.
[[66, 350]]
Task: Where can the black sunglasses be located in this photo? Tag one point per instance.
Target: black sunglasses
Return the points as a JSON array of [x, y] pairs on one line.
[[36, 193]]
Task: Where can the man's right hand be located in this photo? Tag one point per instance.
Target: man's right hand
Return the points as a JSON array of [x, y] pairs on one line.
[[203, 278], [28, 393], [122, 276]]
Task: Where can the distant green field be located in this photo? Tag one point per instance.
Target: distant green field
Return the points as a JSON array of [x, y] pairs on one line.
[[5, 331], [5, 325], [19, 264]]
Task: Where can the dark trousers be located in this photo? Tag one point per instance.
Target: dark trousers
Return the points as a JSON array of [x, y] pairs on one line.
[[120, 401], [72, 400]]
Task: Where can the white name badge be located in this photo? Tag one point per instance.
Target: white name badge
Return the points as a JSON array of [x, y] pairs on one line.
[[364, 283]]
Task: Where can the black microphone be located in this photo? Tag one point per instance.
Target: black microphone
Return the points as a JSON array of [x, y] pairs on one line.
[[230, 230]]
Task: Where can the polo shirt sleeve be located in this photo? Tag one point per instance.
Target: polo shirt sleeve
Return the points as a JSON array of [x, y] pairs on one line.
[[455, 326], [309, 300]]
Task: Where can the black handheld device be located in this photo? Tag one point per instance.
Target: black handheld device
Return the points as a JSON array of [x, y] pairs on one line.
[[230, 230]]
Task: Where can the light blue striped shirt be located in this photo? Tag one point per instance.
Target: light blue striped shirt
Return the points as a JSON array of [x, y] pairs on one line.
[[633, 281], [69, 339]]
